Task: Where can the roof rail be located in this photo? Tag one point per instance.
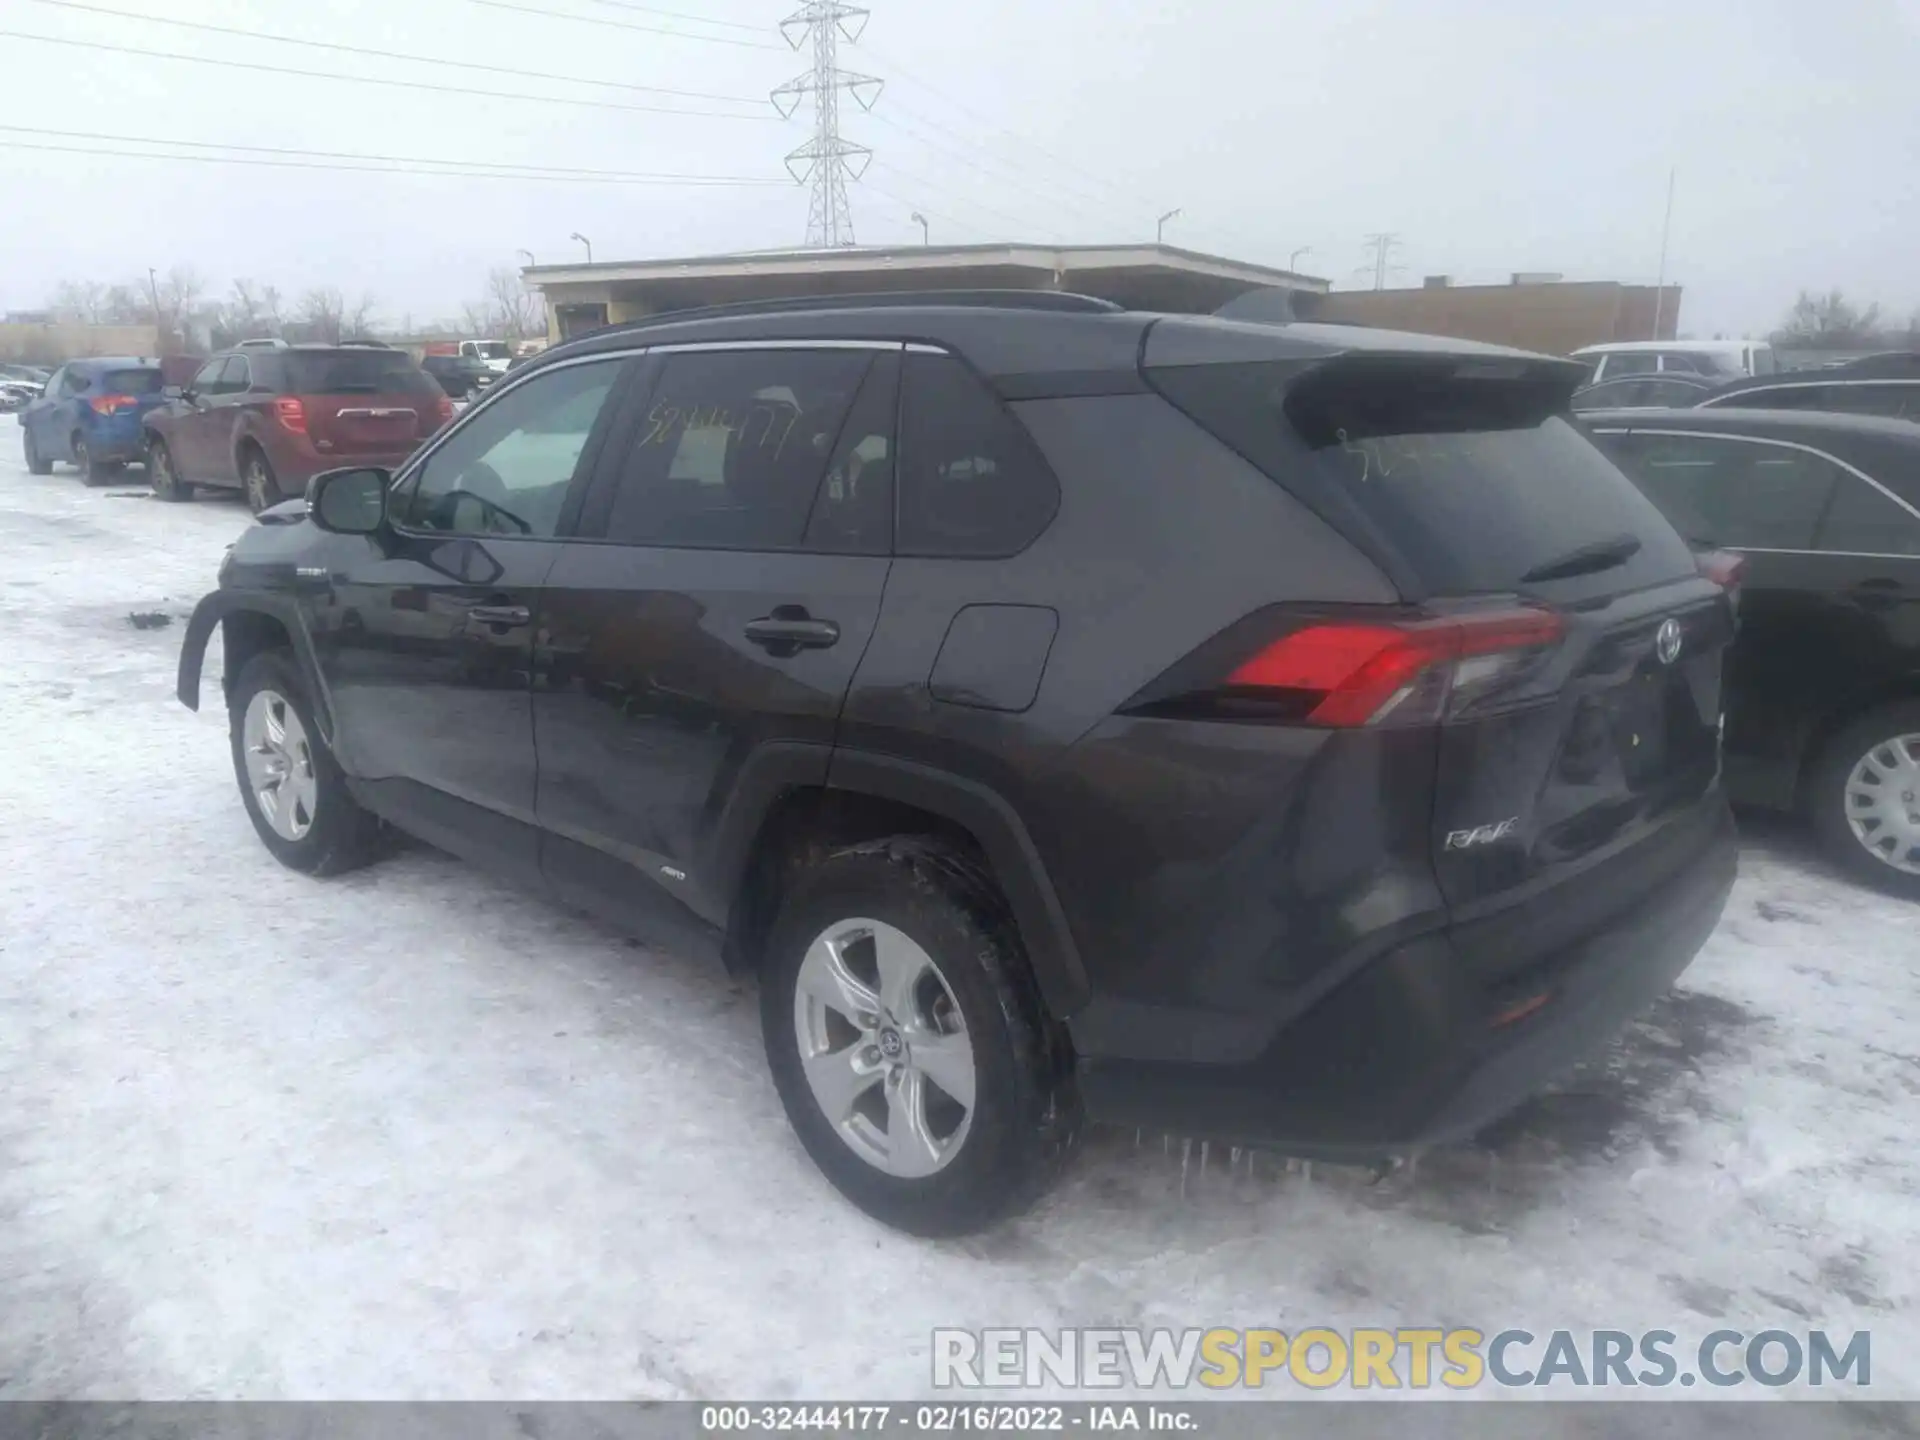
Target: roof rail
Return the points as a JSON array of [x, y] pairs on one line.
[[1058, 301], [368, 344], [271, 344]]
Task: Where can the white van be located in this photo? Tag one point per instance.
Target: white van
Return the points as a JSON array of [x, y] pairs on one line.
[[1724, 359]]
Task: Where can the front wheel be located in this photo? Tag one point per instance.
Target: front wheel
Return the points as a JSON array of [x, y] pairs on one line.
[[257, 479], [295, 793], [166, 481], [908, 1041], [37, 464], [1864, 792]]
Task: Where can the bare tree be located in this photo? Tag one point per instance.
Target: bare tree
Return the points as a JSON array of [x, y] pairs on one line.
[[1828, 322], [322, 310], [356, 323], [476, 318], [512, 305], [271, 306], [126, 305], [85, 300]]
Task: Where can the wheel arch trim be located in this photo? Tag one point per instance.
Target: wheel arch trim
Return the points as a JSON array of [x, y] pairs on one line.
[[775, 768], [217, 607]]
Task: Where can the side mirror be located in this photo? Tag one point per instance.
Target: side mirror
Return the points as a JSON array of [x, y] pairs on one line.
[[349, 502]]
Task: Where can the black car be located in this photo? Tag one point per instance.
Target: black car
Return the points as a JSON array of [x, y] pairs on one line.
[[461, 376], [1875, 385], [1823, 686], [1062, 710], [1644, 392]]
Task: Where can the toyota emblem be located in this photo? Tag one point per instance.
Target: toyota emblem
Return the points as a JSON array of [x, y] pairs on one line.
[[1667, 641]]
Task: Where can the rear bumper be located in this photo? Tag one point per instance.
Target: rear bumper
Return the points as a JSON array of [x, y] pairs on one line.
[[295, 461], [1412, 1052], [116, 438]]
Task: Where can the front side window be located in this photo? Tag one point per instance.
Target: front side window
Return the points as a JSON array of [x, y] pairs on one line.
[[1780, 397], [507, 471], [1735, 493], [206, 380], [734, 445], [1631, 364], [1895, 401]]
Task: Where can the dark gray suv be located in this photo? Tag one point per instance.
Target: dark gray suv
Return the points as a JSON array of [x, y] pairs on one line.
[[1279, 732]]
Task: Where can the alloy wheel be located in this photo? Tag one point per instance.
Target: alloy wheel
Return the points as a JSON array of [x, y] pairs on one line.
[[279, 764], [1883, 802], [82, 460], [884, 1047], [260, 491], [159, 470]]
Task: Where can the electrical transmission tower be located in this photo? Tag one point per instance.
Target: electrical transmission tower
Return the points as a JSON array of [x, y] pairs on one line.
[[1383, 245], [826, 161]]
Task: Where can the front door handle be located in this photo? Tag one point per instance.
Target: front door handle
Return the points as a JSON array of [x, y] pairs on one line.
[[789, 629], [504, 617]]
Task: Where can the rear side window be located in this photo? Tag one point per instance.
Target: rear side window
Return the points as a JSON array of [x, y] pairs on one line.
[[1896, 401], [972, 482], [133, 382], [1781, 397], [1621, 365], [1864, 521], [1738, 493], [734, 446], [355, 372], [1472, 482]]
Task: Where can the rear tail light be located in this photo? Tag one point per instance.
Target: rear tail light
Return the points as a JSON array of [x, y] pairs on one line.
[[291, 412], [1725, 570], [1343, 672], [443, 409], [111, 404]]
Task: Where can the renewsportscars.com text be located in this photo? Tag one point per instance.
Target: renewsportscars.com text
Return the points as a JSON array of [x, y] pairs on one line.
[[1408, 1358]]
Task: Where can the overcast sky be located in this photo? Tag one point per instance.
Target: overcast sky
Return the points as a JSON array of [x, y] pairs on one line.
[[1491, 135]]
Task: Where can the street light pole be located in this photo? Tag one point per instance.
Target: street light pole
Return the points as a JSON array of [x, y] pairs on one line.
[[531, 262], [921, 221], [1160, 228], [153, 289], [1294, 259], [584, 241]]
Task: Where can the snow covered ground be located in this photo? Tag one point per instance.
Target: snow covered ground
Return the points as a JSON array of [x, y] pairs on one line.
[[408, 1134]]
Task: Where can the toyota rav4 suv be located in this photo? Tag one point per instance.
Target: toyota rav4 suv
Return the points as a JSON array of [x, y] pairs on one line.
[[1290, 734]]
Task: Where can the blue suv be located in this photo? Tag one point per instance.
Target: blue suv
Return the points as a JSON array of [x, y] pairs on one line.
[[89, 415]]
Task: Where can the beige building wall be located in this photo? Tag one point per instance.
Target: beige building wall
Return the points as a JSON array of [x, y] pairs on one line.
[[57, 343]]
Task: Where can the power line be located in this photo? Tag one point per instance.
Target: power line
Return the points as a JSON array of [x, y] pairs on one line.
[[981, 206], [967, 109], [680, 15], [374, 80], [1010, 177], [624, 25], [1382, 243], [696, 181], [389, 54], [554, 171]]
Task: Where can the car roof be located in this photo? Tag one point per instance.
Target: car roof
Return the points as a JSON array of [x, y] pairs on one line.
[[116, 362], [1762, 422], [1704, 347], [1019, 333], [1803, 378]]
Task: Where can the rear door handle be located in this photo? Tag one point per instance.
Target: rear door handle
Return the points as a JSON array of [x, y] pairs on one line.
[[1878, 593], [504, 616], [790, 629]]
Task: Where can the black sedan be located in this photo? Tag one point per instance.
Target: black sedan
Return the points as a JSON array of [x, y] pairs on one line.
[[1824, 682]]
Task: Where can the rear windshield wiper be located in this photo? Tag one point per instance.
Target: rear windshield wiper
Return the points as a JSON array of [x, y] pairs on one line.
[[1599, 555]]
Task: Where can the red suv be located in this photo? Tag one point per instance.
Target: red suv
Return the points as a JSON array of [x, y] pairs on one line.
[[266, 418]]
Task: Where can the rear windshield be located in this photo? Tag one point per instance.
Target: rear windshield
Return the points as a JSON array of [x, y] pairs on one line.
[[1471, 483], [132, 382], [356, 372], [493, 349]]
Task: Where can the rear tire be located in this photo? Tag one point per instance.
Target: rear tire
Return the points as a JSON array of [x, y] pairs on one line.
[[37, 464], [950, 990], [166, 481], [91, 470], [311, 822], [1863, 796], [257, 480]]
